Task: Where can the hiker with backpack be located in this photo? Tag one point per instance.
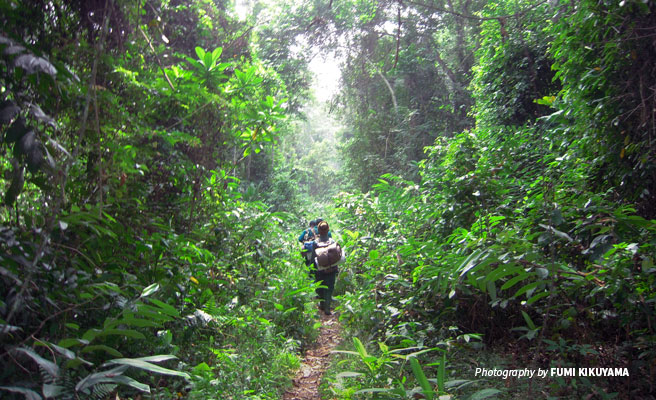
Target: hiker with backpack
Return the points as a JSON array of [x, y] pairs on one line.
[[326, 255], [310, 233], [308, 236], [316, 229]]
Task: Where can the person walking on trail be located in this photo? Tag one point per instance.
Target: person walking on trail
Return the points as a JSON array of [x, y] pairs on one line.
[[316, 228], [327, 254], [310, 233], [308, 236]]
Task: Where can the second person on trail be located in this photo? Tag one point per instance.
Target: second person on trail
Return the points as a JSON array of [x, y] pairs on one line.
[[326, 254], [310, 233], [306, 239]]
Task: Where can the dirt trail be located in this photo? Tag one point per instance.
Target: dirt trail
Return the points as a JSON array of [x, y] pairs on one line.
[[316, 361]]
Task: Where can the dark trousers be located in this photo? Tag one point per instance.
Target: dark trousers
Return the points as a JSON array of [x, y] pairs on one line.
[[326, 278]]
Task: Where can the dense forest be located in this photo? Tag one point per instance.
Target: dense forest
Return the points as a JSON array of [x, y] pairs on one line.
[[489, 167]]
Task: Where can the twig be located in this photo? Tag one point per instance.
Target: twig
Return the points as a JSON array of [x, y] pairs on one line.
[[596, 280], [78, 252], [55, 315], [190, 115], [449, 73], [16, 362], [28, 279], [250, 28], [398, 35], [52, 353], [157, 59], [99, 150]]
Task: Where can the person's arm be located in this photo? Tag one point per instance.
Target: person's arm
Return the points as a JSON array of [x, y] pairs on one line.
[[300, 238]]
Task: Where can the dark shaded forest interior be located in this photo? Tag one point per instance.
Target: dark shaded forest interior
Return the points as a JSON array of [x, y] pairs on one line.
[[487, 165]]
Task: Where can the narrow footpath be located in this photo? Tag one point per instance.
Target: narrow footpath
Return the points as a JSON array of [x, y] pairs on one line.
[[316, 361]]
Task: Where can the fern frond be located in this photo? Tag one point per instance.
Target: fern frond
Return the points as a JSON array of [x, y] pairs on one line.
[[199, 319], [102, 391]]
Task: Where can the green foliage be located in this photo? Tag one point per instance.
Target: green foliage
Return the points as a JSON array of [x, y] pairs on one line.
[[396, 99], [519, 228], [150, 166], [81, 366], [379, 367], [27, 79], [604, 100], [514, 68], [397, 373], [128, 235]]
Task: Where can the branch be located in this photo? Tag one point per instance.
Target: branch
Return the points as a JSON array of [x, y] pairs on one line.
[[449, 72], [78, 252], [92, 83], [389, 87], [43, 323], [398, 37], [250, 28], [99, 150], [157, 59]]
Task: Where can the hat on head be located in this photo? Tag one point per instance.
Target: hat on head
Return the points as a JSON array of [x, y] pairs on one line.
[[323, 227]]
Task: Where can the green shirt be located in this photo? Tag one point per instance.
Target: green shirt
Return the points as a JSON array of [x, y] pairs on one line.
[[308, 234]]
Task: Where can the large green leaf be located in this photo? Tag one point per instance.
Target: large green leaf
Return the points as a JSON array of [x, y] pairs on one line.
[[142, 363], [216, 54], [528, 288], [50, 367], [472, 261], [102, 347], [99, 377], [200, 53], [512, 282], [126, 380], [29, 394], [165, 308], [528, 320], [52, 391], [150, 290], [426, 387]]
